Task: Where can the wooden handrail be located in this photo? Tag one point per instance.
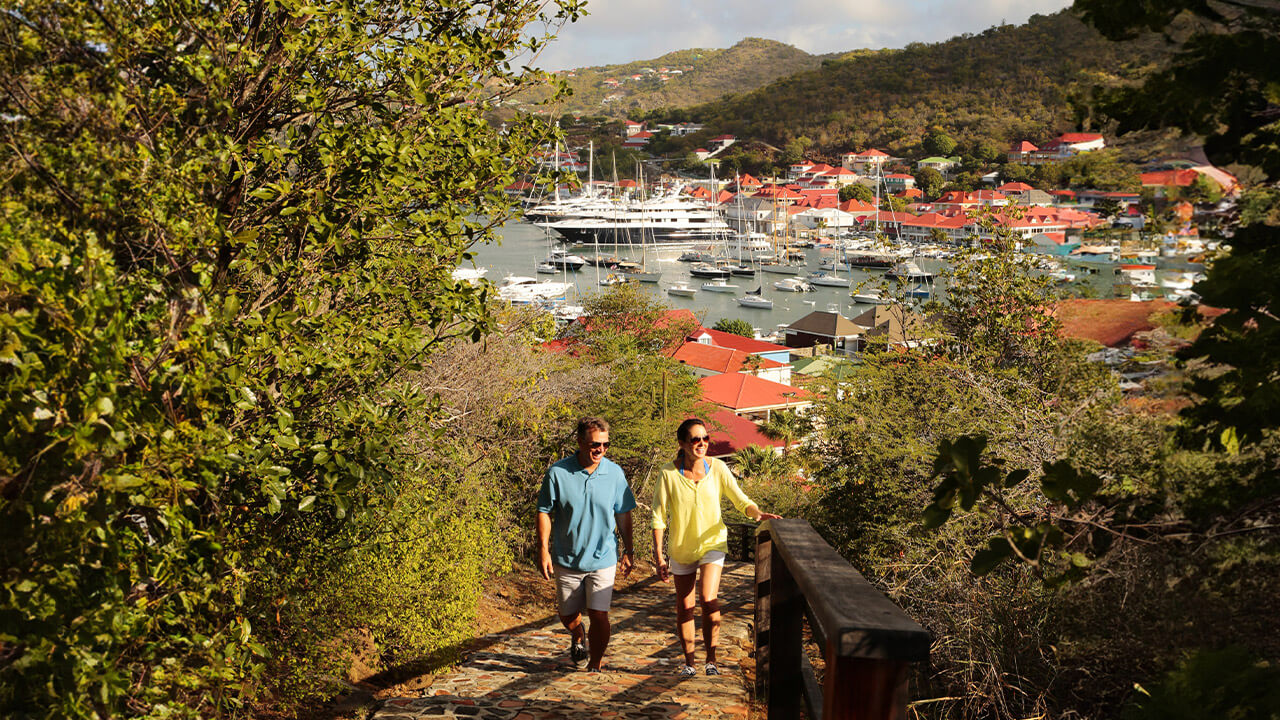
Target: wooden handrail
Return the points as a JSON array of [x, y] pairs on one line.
[[867, 640]]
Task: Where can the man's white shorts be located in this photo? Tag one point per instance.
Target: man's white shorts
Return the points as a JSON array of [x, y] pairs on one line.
[[713, 557], [576, 589]]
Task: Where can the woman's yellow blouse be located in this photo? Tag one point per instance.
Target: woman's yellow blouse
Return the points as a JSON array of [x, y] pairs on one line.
[[690, 512]]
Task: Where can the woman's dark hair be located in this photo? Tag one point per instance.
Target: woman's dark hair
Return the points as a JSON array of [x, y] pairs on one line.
[[684, 432]]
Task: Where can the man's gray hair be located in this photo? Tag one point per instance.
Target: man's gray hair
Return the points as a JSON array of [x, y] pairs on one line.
[[587, 424]]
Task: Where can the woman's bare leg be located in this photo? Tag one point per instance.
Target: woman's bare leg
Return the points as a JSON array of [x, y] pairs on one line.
[[709, 598], [684, 613]]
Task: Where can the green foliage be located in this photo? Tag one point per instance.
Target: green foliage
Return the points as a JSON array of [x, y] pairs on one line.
[[707, 74], [857, 191], [788, 426], [219, 263], [938, 142], [1228, 683], [930, 182], [1100, 170], [1004, 84], [965, 478], [737, 326], [1233, 111]]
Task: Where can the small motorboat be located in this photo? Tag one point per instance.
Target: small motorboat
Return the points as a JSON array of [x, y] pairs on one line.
[[719, 286], [681, 290], [870, 297], [793, 285]]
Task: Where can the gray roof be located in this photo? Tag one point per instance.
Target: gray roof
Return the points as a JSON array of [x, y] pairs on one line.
[[828, 324]]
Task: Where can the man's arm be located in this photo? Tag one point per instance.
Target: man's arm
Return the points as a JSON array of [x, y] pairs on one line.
[[544, 544], [628, 549]]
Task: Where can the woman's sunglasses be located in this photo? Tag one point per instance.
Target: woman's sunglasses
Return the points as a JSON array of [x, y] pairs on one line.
[[699, 438]]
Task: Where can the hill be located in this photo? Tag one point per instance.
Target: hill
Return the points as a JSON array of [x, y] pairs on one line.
[[679, 79], [1009, 82]]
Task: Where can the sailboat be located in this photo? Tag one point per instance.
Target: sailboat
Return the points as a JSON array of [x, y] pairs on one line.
[[643, 274], [755, 299]]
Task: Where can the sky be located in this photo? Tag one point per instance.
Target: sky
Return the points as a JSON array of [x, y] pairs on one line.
[[618, 31]]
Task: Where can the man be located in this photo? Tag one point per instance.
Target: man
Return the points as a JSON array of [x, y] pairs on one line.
[[583, 501]]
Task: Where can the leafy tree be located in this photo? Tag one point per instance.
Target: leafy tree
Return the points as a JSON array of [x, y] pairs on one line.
[[892, 203], [938, 142], [857, 191], [788, 426], [1107, 207], [793, 151], [228, 235], [930, 182], [762, 463], [737, 326]]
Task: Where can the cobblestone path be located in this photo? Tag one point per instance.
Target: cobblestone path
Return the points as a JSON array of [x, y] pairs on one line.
[[525, 673]]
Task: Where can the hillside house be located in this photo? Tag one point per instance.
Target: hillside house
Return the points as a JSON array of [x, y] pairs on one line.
[[704, 360], [822, 327], [943, 165], [752, 397], [637, 140], [867, 162], [631, 128], [720, 142]]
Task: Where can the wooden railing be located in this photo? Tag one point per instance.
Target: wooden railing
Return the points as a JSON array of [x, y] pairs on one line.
[[866, 640]]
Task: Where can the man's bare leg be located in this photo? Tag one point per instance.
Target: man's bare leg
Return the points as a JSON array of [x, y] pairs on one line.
[[599, 632], [573, 623]]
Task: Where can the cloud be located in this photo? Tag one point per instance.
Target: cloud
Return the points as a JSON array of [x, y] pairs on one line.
[[617, 31]]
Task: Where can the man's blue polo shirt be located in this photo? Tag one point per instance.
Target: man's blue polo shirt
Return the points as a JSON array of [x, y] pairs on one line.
[[582, 506]]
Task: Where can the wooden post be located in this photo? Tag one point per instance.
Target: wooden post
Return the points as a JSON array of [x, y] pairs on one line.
[[761, 628], [786, 642], [863, 689]]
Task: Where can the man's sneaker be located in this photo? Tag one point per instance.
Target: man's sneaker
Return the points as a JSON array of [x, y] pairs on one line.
[[577, 653], [712, 669], [686, 671]]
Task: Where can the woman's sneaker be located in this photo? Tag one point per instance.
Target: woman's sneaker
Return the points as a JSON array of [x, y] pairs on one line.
[[577, 653], [686, 671], [712, 669]]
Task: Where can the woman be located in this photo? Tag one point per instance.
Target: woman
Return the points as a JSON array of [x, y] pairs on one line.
[[688, 493]]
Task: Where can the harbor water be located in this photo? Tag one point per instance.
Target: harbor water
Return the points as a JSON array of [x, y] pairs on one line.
[[524, 245]]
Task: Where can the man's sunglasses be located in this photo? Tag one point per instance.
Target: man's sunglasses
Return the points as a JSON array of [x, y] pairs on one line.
[[700, 438], [604, 445]]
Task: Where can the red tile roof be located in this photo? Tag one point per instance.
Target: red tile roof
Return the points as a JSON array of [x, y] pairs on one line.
[[738, 342], [734, 433], [856, 205], [1014, 187], [738, 391], [873, 153], [1023, 146], [717, 359]]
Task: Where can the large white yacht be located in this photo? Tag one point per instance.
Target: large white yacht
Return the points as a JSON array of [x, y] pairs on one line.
[[668, 220], [522, 290]]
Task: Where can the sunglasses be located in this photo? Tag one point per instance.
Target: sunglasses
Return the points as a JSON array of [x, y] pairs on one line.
[[700, 438], [595, 445]]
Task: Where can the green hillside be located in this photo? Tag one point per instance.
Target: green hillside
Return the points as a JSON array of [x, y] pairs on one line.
[[984, 90], [703, 76]]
